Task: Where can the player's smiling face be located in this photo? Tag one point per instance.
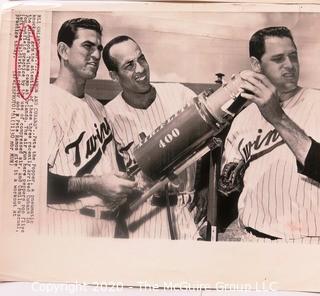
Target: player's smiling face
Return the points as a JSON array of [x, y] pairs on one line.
[[85, 53], [133, 69], [280, 63]]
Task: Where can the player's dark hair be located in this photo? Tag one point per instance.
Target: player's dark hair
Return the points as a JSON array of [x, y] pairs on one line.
[[257, 41], [69, 28], [110, 62]]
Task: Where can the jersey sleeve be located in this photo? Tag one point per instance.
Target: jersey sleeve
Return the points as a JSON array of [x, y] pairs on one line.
[[311, 167], [55, 133], [231, 152], [122, 152], [187, 94]]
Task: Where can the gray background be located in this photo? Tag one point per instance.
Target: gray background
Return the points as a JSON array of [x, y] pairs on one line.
[[190, 47]]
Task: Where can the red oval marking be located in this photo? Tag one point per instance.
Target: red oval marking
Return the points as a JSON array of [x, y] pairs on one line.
[[35, 77]]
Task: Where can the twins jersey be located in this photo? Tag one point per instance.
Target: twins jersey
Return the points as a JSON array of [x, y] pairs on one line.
[[276, 199], [80, 143], [149, 221]]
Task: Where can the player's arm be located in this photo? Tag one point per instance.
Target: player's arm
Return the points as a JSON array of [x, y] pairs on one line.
[[65, 189], [311, 167], [57, 187], [305, 149], [264, 95]]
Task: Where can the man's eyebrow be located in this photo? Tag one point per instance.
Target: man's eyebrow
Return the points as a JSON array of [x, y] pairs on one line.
[[88, 42], [277, 55], [282, 54], [127, 62]]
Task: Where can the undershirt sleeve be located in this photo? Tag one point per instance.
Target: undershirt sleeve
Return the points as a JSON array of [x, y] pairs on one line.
[[311, 168], [57, 189]]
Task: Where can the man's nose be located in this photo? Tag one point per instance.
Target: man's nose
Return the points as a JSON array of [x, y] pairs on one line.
[[288, 63], [139, 68], [96, 53]]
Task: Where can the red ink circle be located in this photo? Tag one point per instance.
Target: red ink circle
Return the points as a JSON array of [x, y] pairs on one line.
[[36, 48]]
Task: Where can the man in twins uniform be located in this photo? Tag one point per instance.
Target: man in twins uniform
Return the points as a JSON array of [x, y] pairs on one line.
[[134, 114], [276, 140], [84, 186]]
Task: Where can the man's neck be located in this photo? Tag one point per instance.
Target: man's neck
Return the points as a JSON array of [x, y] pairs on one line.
[[69, 83], [140, 100], [286, 95]]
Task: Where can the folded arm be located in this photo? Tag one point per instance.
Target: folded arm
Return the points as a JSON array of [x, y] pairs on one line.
[[304, 148]]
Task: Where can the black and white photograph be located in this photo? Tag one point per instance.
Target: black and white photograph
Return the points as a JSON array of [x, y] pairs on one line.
[[228, 100], [161, 146]]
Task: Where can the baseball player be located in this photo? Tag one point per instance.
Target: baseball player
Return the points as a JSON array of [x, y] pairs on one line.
[[84, 188], [274, 145], [134, 114]]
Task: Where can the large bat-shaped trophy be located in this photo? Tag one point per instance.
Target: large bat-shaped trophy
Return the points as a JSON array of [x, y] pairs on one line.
[[186, 136]]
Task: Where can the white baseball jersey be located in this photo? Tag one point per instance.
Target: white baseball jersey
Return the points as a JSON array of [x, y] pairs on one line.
[[276, 199], [150, 221], [80, 143]]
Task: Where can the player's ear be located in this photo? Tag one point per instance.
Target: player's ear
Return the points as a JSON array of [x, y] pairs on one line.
[[255, 64], [63, 50], [114, 75]]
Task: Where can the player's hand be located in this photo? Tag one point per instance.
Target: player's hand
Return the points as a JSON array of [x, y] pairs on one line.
[[115, 185], [264, 94], [144, 182], [114, 189]]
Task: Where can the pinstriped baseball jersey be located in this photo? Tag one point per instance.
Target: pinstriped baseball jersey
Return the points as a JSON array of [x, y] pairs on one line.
[[276, 199], [80, 143], [149, 221]]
